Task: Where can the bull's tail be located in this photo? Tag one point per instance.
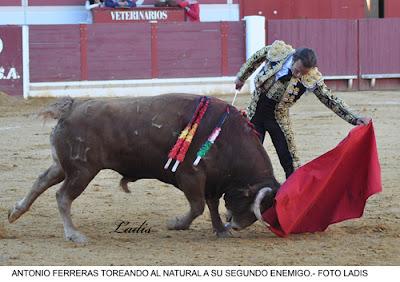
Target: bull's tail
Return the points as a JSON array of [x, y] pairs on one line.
[[59, 109]]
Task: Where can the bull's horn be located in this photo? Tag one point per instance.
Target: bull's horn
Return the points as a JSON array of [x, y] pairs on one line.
[[257, 202]]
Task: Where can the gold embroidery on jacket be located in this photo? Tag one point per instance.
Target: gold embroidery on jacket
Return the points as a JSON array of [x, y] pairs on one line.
[[261, 90], [282, 117], [312, 78], [252, 63], [251, 108], [337, 105], [279, 51], [276, 52], [265, 78], [276, 91], [292, 89]]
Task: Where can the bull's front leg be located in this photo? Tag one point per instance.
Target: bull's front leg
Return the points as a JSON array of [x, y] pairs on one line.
[[192, 186], [183, 222], [218, 226]]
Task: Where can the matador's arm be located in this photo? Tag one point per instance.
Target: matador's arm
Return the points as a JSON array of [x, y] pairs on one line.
[[252, 63], [337, 105]]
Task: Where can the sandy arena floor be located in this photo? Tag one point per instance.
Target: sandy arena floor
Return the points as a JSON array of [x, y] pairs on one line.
[[37, 237]]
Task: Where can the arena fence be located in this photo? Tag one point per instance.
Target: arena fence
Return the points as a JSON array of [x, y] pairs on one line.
[[357, 54], [153, 58], [135, 51]]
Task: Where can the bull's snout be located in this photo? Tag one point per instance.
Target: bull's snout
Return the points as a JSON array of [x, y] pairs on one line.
[[231, 224], [228, 218]]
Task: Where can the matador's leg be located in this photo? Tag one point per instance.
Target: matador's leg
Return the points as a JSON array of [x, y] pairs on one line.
[[282, 118]]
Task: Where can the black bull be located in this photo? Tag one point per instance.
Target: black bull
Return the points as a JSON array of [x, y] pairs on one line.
[[133, 137]]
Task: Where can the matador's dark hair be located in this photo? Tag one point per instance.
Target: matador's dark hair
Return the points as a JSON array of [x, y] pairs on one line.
[[307, 57]]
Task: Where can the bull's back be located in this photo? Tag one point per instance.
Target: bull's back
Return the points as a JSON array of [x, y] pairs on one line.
[[133, 136], [135, 132]]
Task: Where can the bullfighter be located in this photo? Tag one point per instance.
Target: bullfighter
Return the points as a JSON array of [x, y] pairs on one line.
[[287, 74]]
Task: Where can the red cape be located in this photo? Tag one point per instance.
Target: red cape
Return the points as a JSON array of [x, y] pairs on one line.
[[329, 189]]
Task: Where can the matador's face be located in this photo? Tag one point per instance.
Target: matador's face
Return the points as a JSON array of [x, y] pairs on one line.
[[298, 69]]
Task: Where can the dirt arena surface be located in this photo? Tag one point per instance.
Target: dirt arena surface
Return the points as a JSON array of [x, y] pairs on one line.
[[37, 237]]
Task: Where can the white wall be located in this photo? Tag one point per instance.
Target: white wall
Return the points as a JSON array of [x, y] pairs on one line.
[[135, 88], [219, 12], [255, 40], [43, 15]]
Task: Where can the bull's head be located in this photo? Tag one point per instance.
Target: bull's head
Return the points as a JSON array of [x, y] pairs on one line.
[[245, 206]]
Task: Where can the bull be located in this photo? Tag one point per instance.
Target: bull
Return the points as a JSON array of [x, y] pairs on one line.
[[133, 136]]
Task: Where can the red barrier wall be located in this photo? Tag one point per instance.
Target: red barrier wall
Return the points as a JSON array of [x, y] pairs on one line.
[[379, 50], [304, 9], [346, 47], [379, 46], [118, 51], [135, 51], [189, 50], [236, 47], [10, 3], [54, 53], [392, 8], [167, 50], [335, 41], [11, 60]]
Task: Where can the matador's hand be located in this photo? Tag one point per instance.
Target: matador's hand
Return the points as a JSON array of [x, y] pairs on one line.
[[238, 84], [363, 120]]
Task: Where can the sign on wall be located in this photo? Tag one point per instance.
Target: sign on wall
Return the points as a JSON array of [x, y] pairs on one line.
[[11, 60], [105, 15]]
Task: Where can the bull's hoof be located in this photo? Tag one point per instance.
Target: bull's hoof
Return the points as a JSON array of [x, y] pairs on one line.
[[177, 224], [76, 237], [14, 213], [225, 234]]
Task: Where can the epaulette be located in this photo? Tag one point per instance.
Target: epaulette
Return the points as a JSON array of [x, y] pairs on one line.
[[279, 51], [312, 78]]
